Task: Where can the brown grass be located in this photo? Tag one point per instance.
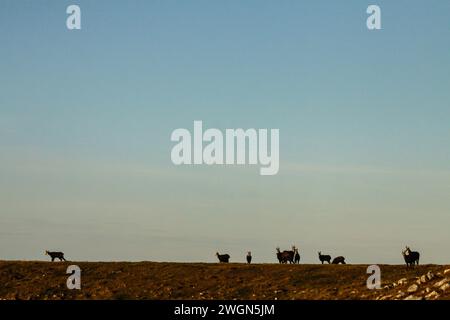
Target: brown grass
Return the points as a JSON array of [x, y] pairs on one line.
[[152, 280]]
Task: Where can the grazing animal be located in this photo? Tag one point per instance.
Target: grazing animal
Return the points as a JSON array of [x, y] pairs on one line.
[[338, 260], [411, 257], [225, 258], [324, 257], [296, 256], [54, 255], [249, 257]]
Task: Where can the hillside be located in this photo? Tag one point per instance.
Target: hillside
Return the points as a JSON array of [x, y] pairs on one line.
[[152, 280]]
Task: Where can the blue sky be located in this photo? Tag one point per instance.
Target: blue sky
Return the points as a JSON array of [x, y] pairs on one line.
[[86, 118]]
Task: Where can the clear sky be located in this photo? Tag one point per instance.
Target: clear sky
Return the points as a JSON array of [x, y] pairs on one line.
[[86, 118]]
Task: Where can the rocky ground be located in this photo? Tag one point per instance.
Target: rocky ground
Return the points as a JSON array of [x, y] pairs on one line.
[[429, 286], [152, 280]]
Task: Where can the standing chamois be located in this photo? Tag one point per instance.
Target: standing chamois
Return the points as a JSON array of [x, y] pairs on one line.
[[225, 258], [324, 257], [54, 255], [279, 257], [296, 256], [286, 256], [249, 257], [411, 257]]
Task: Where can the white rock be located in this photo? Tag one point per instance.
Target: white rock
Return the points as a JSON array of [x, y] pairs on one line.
[[400, 295], [446, 271], [413, 297], [432, 295], [423, 279], [402, 281], [442, 282], [430, 275], [445, 287], [413, 288]]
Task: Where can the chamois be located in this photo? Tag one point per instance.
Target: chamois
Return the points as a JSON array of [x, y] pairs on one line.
[[296, 256], [279, 257], [324, 257], [289, 255], [54, 255], [223, 257], [338, 260], [285, 256], [411, 257], [249, 257]]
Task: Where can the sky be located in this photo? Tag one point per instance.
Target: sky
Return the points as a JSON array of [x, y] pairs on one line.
[[86, 117]]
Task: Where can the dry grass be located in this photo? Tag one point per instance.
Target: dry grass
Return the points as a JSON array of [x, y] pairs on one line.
[[152, 280]]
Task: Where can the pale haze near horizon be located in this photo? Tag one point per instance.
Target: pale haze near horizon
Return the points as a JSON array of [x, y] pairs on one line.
[[86, 118]]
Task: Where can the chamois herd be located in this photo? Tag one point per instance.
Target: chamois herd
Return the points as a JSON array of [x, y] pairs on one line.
[[292, 256]]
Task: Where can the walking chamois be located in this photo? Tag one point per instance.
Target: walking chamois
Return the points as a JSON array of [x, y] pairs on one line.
[[54, 255]]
